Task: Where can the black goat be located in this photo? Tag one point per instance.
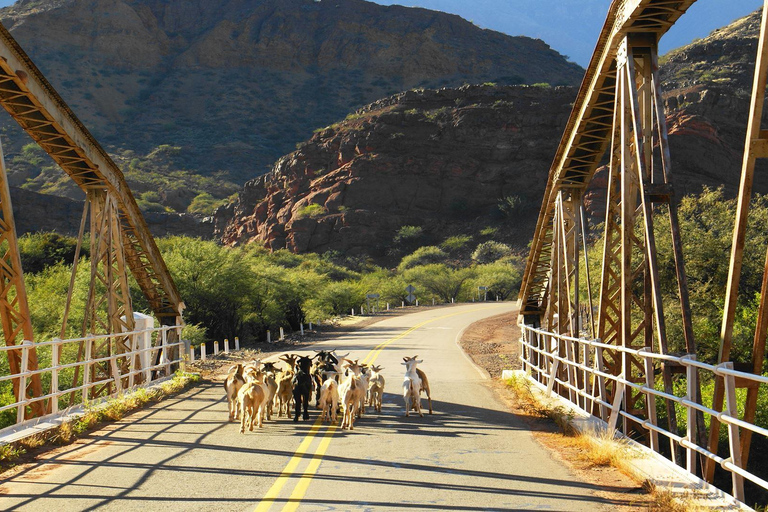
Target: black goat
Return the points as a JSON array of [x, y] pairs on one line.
[[302, 386]]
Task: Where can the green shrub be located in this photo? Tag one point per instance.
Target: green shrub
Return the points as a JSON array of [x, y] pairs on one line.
[[455, 243], [489, 231], [311, 210], [41, 250], [408, 234], [422, 256], [490, 251]]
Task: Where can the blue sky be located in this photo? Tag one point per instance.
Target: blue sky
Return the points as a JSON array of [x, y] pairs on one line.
[[571, 26]]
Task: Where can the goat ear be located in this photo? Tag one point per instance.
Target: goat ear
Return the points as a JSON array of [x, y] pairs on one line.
[[404, 364], [406, 359], [419, 361]]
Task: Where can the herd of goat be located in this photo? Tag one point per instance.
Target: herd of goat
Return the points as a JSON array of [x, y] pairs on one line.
[[254, 389]]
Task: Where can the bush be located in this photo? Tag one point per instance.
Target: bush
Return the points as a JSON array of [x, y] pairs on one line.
[[422, 256], [511, 206], [311, 210], [42, 250], [408, 234], [490, 251], [455, 243]]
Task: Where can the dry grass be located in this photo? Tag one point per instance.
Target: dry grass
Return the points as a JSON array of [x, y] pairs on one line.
[[599, 448], [112, 410], [532, 405], [666, 501]]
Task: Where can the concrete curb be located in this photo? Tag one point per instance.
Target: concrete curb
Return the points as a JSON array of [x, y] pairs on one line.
[[650, 465]]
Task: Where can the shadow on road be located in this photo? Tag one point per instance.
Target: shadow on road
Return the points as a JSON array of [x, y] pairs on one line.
[[190, 452]]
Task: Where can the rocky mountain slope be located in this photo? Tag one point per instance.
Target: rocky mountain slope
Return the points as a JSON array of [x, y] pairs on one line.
[[235, 84], [458, 161], [440, 160]]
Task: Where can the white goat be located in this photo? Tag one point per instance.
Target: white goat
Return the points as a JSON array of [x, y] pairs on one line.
[[352, 392], [329, 399], [375, 388], [252, 401], [232, 385], [412, 386]]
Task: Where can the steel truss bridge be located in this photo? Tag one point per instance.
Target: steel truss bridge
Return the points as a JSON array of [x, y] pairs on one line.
[[602, 347], [113, 353]]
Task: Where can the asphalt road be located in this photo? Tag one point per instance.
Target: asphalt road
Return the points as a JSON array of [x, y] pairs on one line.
[[182, 454]]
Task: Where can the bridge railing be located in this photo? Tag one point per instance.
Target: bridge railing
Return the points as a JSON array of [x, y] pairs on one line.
[[575, 366], [66, 370]]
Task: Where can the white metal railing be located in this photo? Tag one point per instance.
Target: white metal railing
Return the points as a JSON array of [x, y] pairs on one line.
[[145, 365], [576, 366]]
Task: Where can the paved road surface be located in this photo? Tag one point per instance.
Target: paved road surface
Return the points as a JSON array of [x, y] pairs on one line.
[[182, 454]]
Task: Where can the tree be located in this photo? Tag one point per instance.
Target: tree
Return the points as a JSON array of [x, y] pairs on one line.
[[439, 280]]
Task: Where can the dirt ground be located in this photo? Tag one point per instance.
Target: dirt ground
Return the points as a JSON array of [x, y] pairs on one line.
[[493, 345]]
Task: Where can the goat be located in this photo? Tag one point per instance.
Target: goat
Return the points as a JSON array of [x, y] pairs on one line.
[[270, 387], [411, 386], [284, 392], [302, 386], [353, 392], [252, 400], [375, 388], [365, 377], [232, 385], [329, 399]]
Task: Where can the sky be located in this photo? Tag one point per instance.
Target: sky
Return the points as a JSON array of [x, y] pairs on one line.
[[571, 26]]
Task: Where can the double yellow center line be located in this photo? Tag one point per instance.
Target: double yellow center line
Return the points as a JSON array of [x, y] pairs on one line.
[[289, 471]]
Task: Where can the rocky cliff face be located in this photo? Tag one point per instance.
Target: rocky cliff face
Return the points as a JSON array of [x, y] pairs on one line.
[[35, 212], [441, 160]]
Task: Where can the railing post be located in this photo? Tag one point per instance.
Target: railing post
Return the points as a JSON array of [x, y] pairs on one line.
[[202, 352], [216, 348], [692, 384], [269, 337], [310, 326], [132, 361], [282, 334], [555, 366], [734, 442], [226, 345], [237, 343], [55, 362], [603, 393], [586, 381], [87, 367], [166, 356], [116, 375], [191, 353], [21, 409], [570, 369], [301, 328], [650, 398]]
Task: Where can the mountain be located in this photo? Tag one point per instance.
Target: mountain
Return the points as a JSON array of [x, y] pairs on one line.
[[230, 86], [474, 160], [449, 162]]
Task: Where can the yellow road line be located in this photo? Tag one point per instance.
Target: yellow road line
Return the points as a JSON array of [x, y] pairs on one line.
[[274, 491], [304, 480], [303, 484]]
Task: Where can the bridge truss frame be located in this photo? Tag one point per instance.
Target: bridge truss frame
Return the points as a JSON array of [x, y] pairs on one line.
[[119, 241], [619, 109]]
